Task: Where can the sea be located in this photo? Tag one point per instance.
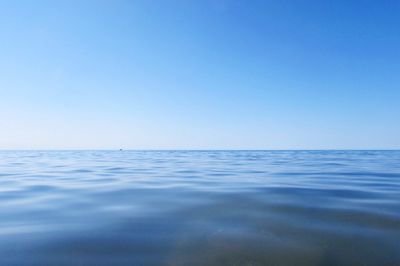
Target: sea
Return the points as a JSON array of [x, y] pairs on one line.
[[200, 207]]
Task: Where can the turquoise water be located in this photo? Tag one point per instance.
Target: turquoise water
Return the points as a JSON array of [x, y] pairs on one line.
[[200, 208]]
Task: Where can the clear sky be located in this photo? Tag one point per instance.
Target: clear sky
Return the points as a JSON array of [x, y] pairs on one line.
[[222, 74]]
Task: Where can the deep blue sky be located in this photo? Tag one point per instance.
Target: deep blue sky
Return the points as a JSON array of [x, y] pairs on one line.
[[231, 74]]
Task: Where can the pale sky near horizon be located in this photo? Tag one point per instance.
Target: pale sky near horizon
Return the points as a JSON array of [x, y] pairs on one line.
[[227, 74]]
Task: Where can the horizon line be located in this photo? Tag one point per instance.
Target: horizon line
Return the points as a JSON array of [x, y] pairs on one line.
[[121, 149]]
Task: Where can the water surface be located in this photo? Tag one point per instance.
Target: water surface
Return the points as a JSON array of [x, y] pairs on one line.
[[200, 208]]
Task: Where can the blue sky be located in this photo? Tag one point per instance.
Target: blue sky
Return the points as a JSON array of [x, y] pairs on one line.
[[200, 74]]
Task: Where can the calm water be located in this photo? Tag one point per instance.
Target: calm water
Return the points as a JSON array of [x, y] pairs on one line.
[[200, 208]]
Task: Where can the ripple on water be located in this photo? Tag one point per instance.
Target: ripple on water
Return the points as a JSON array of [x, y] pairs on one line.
[[200, 208]]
